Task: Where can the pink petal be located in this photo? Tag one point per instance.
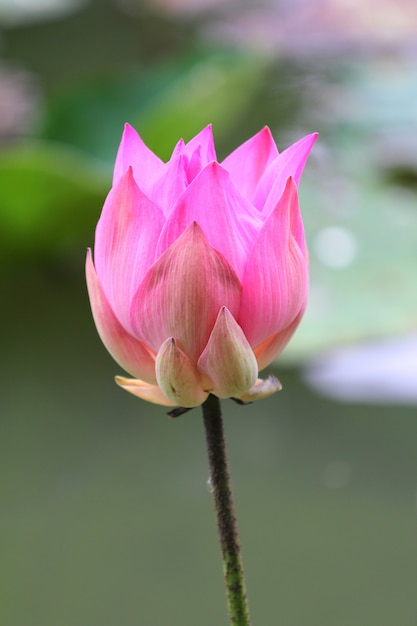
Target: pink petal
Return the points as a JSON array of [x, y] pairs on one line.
[[194, 165], [178, 149], [249, 161], [275, 284], [130, 353], [268, 350], [197, 153], [134, 153], [143, 390], [170, 184], [203, 145], [291, 162], [227, 218], [182, 294], [126, 237], [228, 360], [178, 377]]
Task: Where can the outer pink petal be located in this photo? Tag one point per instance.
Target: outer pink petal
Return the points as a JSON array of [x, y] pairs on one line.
[[134, 153], [249, 161], [143, 390], [275, 284], [126, 237], [268, 350], [228, 360], [130, 353], [291, 162], [227, 218], [182, 294]]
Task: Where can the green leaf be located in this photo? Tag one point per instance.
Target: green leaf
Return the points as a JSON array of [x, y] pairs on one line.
[[51, 197], [163, 103], [215, 90]]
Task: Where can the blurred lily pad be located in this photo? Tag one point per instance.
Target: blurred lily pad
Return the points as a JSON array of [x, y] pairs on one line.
[[358, 198], [362, 235]]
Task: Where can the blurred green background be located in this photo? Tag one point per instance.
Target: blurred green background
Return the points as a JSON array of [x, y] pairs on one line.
[[105, 514]]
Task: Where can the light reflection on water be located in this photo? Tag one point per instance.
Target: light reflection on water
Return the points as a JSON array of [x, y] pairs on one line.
[[335, 246], [384, 372]]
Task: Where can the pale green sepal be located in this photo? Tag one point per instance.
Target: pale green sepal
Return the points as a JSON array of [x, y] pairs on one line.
[[177, 376], [228, 360]]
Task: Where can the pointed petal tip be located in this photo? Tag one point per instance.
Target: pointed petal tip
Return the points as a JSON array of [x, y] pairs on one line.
[[289, 193], [215, 169], [193, 233], [177, 152], [126, 177], [89, 268], [302, 147], [267, 132], [308, 142], [310, 138], [290, 183], [129, 134], [208, 127], [313, 138]]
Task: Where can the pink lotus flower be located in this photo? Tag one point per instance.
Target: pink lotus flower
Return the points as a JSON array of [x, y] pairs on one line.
[[201, 268]]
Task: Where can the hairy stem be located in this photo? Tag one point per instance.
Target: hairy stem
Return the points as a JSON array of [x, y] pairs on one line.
[[226, 519]]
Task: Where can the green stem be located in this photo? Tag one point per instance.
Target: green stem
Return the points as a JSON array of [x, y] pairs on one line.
[[226, 519]]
